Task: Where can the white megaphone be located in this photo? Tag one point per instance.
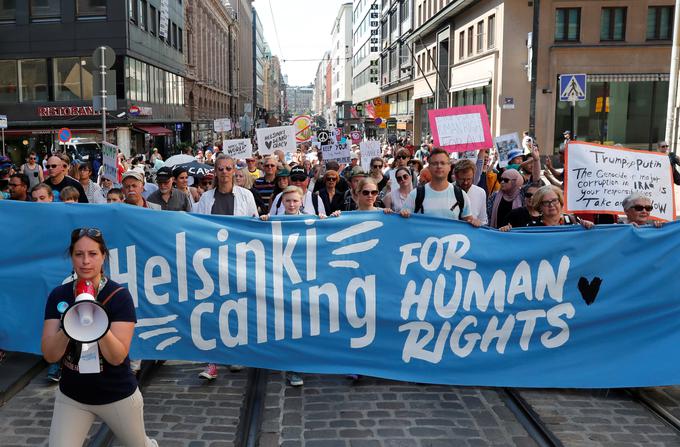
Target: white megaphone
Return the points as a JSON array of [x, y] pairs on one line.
[[85, 320]]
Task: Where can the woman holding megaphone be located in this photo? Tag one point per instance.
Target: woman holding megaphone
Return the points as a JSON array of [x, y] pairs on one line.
[[89, 323]]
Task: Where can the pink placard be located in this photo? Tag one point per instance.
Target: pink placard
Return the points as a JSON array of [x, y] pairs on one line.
[[460, 129]]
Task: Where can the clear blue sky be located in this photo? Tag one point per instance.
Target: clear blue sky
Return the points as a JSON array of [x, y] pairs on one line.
[[304, 32]]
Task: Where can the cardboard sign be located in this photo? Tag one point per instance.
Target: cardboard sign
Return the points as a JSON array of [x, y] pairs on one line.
[[109, 154], [597, 178], [338, 152], [459, 129], [242, 148], [222, 125], [270, 139], [369, 150], [504, 144], [303, 128]]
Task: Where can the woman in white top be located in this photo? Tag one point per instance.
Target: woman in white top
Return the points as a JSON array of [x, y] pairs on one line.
[[397, 197]]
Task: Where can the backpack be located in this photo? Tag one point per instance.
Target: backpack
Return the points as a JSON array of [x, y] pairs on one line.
[[420, 198], [315, 202]]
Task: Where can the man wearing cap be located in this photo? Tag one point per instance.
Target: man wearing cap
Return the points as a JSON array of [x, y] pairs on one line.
[[57, 167], [169, 198], [423, 153], [311, 203], [252, 168], [353, 161], [133, 188]]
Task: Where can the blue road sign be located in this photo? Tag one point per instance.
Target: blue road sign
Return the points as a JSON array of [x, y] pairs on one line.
[[64, 134], [572, 87]]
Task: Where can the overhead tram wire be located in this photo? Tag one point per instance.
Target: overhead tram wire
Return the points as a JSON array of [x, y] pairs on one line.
[[276, 32]]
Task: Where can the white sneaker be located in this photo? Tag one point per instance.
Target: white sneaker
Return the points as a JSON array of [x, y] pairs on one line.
[[135, 365]]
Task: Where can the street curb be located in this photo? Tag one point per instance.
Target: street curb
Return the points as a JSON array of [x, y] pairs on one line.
[[22, 380]]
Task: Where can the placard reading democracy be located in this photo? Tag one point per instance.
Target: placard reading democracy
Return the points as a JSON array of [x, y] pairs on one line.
[[459, 129], [598, 178], [241, 148], [270, 139]]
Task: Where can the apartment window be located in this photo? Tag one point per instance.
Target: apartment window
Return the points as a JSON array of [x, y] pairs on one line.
[[8, 81], [45, 9], [180, 41], [153, 23], [491, 32], [174, 36], [133, 10], [420, 14], [7, 11], [91, 8], [480, 37], [33, 80], [393, 21], [470, 37], [567, 24], [613, 24], [461, 45], [403, 10], [660, 23], [143, 15]]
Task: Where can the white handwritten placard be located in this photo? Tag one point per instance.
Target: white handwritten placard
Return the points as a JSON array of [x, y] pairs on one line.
[[369, 150], [459, 129], [109, 155], [598, 178], [222, 125], [504, 144], [241, 148], [338, 152], [270, 139]]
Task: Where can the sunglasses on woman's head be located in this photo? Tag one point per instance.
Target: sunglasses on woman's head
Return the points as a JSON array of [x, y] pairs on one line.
[[89, 232]]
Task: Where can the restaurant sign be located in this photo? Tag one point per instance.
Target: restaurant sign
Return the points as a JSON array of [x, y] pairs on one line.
[[66, 111]]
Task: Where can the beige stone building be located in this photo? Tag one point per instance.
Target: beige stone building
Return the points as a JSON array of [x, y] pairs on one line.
[[211, 86]]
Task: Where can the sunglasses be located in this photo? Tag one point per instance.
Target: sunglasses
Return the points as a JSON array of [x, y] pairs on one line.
[[89, 232], [52, 166], [33, 158], [402, 177], [550, 202], [506, 180], [377, 166], [269, 166], [297, 178], [528, 195], [639, 208], [226, 168], [373, 192], [404, 157], [331, 179]]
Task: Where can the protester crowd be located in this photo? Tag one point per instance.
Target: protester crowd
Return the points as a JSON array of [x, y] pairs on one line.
[[404, 180]]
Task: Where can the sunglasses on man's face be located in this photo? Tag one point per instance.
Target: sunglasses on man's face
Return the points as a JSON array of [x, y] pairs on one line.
[[269, 166], [377, 166], [640, 208], [372, 192], [52, 166], [297, 178]]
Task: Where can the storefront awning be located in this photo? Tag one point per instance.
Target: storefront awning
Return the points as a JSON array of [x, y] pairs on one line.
[[632, 77], [47, 131], [156, 131], [421, 88], [456, 87]]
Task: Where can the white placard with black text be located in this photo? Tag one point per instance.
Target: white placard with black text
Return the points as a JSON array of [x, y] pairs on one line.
[[270, 139]]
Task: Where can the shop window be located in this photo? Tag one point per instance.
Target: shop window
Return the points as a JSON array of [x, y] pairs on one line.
[[91, 8], [567, 24], [45, 9], [8, 9], [660, 23], [67, 79], [8, 81], [33, 85], [613, 24]]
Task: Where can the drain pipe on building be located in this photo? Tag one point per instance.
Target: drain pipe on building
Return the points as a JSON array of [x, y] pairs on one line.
[[671, 113]]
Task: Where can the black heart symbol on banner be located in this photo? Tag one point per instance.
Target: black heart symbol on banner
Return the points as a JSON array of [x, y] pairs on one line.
[[268, 144], [589, 289]]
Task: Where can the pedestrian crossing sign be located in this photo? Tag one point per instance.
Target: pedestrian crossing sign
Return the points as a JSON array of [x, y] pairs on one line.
[[572, 87]]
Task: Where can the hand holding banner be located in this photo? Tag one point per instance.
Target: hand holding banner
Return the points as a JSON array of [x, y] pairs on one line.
[[597, 178]]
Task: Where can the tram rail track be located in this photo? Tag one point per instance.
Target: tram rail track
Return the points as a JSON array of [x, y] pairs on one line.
[[529, 418]]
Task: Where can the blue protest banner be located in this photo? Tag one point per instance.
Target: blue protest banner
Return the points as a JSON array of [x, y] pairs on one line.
[[426, 300]]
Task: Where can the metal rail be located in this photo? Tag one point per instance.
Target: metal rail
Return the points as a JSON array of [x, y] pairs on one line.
[[253, 408], [655, 408], [529, 419]]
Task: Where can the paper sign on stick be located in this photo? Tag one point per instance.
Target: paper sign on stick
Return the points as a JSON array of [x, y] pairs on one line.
[[369, 150], [338, 152], [597, 178], [242, 148], [459, 129], [109, 154], [270, 139], [504, 144]]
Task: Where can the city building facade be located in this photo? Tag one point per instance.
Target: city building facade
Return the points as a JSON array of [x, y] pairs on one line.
[[244, 107], [322, 90], [47, 73], [341, 66], [273, 85], [211, 88], [299, 100], [259, 61]]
